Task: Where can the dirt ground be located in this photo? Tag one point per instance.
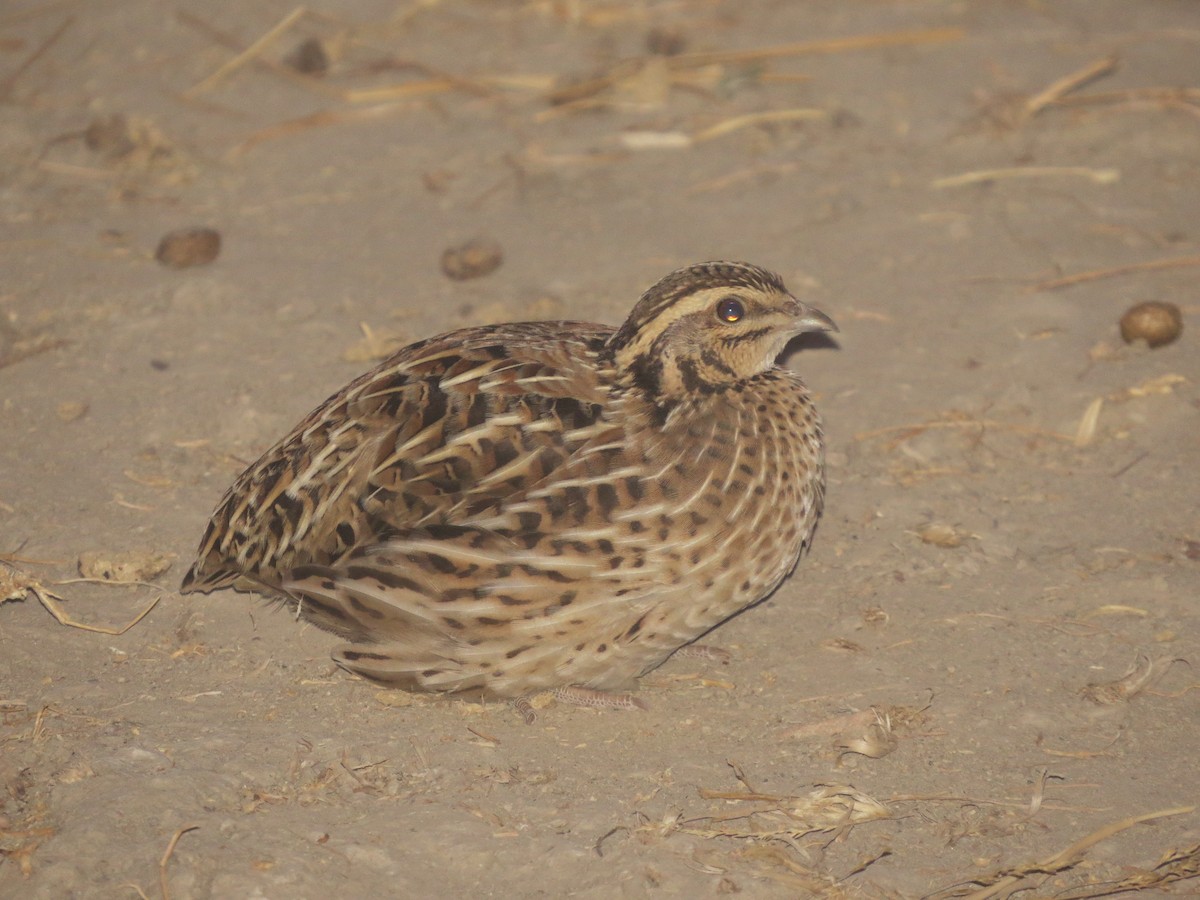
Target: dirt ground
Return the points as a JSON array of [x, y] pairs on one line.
[[982, 677]]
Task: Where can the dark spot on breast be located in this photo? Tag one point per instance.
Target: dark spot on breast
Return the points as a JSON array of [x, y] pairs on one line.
[[529, 520], [606, 498], [577, 502], [488, 620], [504, 453], [633, 487], [439, 562], [452, 622], [556, 505]]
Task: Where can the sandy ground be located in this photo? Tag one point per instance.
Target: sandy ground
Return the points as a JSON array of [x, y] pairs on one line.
[[989, 569]]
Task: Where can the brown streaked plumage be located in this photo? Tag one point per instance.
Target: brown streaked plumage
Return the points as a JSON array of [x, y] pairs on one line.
[[544, 505]]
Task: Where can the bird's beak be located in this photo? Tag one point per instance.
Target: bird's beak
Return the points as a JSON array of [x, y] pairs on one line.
[[810, 319]]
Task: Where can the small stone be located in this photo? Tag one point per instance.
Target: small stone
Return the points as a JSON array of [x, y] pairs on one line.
[[474, 259], [71, 410], [1154, 322], [188, 247], [309, 58], [110, 136], [665, 42]]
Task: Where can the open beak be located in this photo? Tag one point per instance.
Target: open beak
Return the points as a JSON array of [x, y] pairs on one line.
[[810, 319]]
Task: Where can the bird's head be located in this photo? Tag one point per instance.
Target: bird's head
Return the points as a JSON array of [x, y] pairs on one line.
[[707, 327]]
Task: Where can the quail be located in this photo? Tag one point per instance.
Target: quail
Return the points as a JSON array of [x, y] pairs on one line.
[[542, 506]]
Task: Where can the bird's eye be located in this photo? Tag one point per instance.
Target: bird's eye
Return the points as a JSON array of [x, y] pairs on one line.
[[730, 310]]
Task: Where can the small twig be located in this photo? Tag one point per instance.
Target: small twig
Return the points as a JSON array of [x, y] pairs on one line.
[[248, 54], [27, 560], [164, 863], [1133, 95], [832, 45], [7, 85], [733, 178], [1100, 176], [478, 87], [1054, 284], [48, 600], [15, 585], [1069, 856], [315, 120], [961, 423], [232, 43], [1129, 465], [1063, 86], [1086, 432], [726, 126]]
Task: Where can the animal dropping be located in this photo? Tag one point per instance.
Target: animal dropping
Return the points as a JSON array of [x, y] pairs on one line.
[[542, 506]]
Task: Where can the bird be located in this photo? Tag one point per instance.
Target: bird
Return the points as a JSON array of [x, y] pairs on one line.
[[532, 508]]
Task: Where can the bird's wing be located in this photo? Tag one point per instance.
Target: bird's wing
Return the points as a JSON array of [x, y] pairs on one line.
[[443, 430]]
